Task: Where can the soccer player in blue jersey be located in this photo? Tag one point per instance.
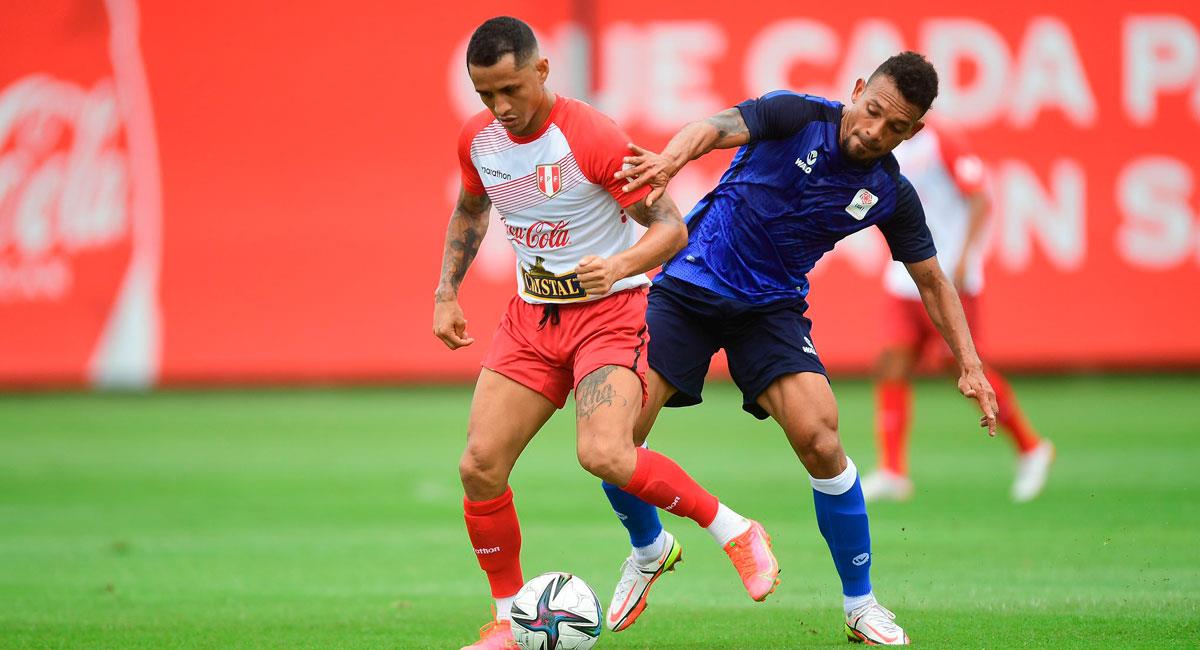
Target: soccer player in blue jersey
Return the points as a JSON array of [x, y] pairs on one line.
[[809, 173]]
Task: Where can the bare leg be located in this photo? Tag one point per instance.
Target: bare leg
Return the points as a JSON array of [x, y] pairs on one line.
[[803, 404], [659, 392], [607, 404], [896, 363], [504, 417]]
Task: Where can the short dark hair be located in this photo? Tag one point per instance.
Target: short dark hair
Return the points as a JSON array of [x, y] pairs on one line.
[[499, 36], [914, 77]]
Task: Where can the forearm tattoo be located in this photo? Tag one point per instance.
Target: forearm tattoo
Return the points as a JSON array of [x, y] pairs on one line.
[[663, 210], [468, 225]]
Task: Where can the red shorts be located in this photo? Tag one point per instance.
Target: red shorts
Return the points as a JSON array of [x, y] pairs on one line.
[[906, 324], [552, 358]]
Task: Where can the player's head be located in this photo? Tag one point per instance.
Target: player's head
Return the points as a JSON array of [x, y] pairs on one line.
[[887, 108], [509, 73]]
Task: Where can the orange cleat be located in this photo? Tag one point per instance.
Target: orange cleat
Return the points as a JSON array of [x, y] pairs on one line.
[[495, 635], [751, 555]]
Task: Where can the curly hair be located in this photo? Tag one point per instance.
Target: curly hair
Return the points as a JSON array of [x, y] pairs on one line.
[[499, 36], [914, 77]]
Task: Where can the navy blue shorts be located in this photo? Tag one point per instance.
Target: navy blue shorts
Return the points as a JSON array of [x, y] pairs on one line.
[[688, 324]]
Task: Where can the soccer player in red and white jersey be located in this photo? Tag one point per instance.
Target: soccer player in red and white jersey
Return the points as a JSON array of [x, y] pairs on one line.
[[951, 183], [547, 164]]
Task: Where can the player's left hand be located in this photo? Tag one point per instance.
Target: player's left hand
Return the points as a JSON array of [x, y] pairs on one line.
[[596, 274], [972, 383], [645, 167]]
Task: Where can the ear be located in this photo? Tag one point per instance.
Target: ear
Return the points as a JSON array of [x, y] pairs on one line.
[[916, 129], [543, 69], [859, 87]]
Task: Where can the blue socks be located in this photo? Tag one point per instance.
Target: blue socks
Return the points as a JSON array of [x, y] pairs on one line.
[[640, 518], [842, 518]]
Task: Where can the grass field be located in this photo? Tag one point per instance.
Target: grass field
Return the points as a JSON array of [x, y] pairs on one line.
[[332, 519]]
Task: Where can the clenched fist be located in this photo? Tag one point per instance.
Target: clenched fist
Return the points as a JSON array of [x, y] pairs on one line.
[[596, 275], [450, 325]]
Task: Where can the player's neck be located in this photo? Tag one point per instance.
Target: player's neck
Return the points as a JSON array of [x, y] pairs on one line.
[[538, 123]]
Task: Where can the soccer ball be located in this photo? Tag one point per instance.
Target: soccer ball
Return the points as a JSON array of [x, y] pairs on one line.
[[556, 611]]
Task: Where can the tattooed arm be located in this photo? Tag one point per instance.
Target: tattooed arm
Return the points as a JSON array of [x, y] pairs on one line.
[[468, 225], [665, 235], [724, 130]]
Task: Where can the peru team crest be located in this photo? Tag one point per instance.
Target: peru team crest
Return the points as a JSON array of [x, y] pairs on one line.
[[549, 179]]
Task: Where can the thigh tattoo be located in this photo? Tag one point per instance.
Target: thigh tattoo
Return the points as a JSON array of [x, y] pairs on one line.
[[596, 391]]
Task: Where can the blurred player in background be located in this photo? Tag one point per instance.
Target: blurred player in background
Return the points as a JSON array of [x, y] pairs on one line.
[[548, 164], [951, 183], [809, 173]]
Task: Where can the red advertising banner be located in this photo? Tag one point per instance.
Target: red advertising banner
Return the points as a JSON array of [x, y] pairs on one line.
[[229, 192], [79, 205]]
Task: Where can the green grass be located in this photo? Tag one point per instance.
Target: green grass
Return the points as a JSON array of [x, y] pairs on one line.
[[332, 519]]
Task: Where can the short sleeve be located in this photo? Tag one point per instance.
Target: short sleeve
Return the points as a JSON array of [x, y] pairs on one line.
[[906, 233], [470, 175], [600, 147], [961, 163], [778, 114]]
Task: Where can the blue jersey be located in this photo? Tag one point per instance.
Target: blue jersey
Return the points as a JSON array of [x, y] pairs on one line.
[[787, 198]]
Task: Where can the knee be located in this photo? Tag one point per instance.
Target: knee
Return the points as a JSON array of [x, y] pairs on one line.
[[605, 458], [893, 366], [481, 475], [820, 446]]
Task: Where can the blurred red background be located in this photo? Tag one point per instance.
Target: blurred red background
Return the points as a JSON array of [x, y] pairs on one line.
[[274, 183]]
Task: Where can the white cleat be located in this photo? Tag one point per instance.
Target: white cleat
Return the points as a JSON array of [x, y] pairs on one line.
[[873, 624], [1033, 467], [886, 485], [629, 598]]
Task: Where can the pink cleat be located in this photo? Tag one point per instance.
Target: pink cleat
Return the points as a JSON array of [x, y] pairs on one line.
[[495, 635], [755, 563]]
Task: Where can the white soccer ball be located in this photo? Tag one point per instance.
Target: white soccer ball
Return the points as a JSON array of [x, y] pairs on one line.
[[556, 611]]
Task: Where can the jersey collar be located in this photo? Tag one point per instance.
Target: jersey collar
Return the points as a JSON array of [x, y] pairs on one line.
[[558, 102]]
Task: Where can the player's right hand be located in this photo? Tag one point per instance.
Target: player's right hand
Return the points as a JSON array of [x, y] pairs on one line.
[[973, 384], [645, 167], [450, 325]]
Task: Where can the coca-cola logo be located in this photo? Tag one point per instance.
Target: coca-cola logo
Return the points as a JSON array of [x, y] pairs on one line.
[[540, 234], [64, 184], [80, 197]]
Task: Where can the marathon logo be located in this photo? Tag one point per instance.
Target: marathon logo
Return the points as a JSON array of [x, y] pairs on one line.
[[537, 282], [496, 173]]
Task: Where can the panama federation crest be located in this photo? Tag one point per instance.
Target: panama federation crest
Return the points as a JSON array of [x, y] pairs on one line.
[[862, 203], [549, 179]]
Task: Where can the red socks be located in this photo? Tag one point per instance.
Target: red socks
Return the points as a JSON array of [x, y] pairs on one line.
[[496, 535], [657, 480], [894, 410], [1011, 419]]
